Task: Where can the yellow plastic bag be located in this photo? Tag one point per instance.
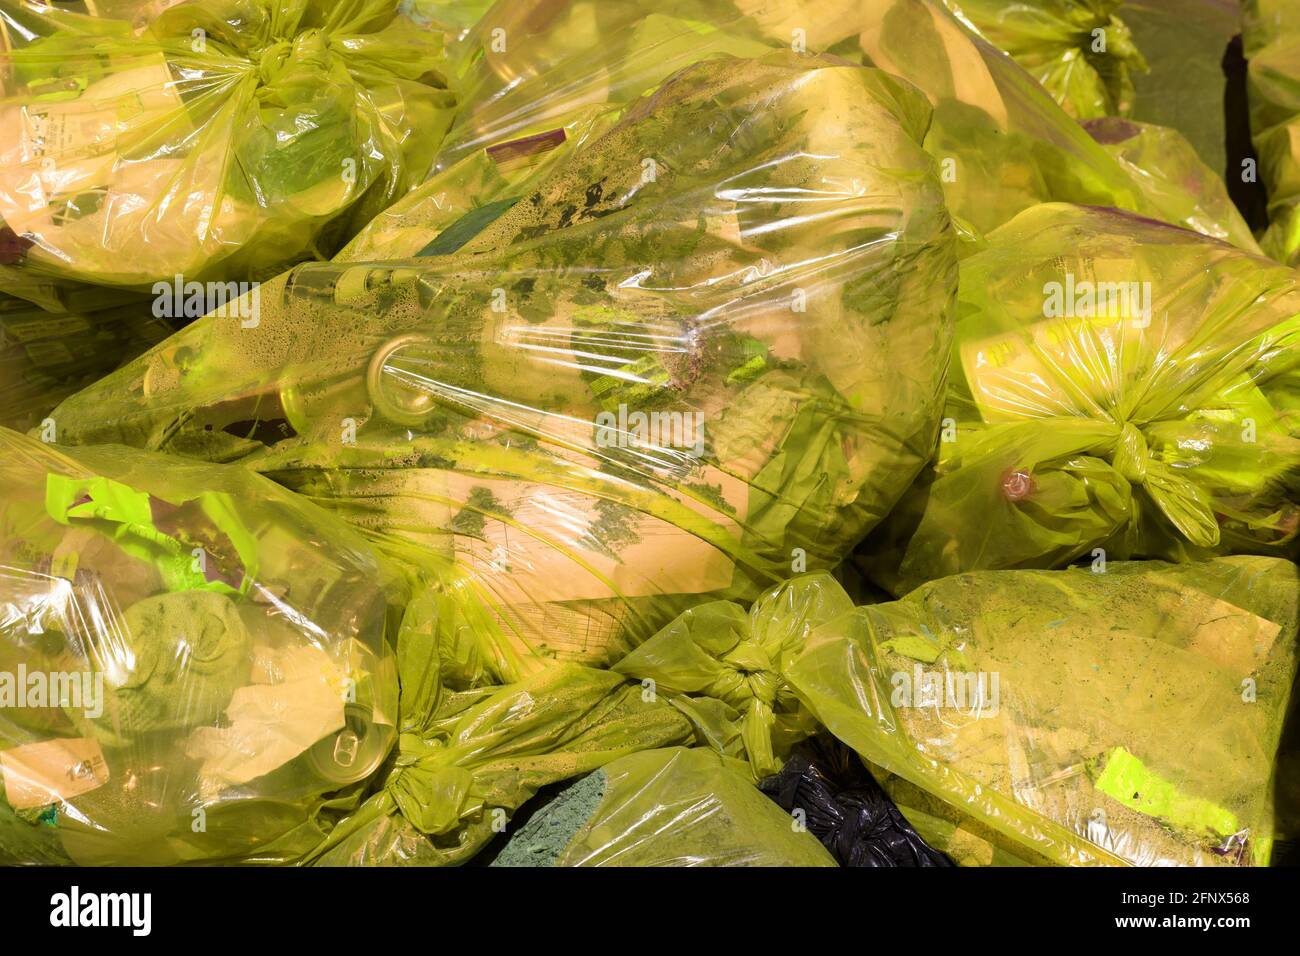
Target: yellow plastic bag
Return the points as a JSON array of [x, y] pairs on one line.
[[1270, 31], [674, 807], [1000, 140], [468, 758], [1173, 178], [722, 667], [1073, 717], [704, 351], [45, 358], [192, 660], [1112, 395], [222, 140], [1080, 50]]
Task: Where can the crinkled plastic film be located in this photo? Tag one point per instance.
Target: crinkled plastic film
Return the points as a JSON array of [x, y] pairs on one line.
[[191, 660], [1144, 735], [1119, 389], [722, 667], [673, 807], [1173, 178], [218, 141], [469, 757], [1080, 50], [705, 350]]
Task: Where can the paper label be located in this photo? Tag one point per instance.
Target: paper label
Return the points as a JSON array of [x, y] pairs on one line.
[[46, 772], [66, 147]]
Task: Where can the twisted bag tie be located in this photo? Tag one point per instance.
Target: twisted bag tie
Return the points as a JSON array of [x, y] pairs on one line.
[[1181, 500], [750, 681]]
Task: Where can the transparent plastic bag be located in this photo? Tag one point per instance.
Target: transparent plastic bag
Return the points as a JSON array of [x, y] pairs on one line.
[[468, 757], [1112, 395], [1172, 177], [1001, 142], [674, 807], [1080, 50], [528, 110], [218, 140], [191, 660], [721, 665], [707, 349], [1072, 717]]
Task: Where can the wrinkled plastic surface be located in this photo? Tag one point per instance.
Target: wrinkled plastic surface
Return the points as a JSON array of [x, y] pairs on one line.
[[180, 644], [1078, 718], [1080, 50], [844, 807], [457, 16], [1002, 143], [720, 665], [468, 757], [215, 139], [1270, 31], [705, 349], [679, 807], [1173, 179], [1117, 385]]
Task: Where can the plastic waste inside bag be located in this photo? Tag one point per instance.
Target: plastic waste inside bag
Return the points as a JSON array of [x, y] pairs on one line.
[[705, 351], [964, 839], [190, 659], [1001, 142], [1112, 395], [469, 757], [526, 115], [218, 141], [673, 807], [844, 807], [1130, 716], [1080, 50]]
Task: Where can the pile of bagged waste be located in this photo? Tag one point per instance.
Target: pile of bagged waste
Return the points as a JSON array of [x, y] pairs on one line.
[[611, 433]]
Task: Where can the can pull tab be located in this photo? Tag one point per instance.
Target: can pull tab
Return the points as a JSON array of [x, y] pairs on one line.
[[346, 747]]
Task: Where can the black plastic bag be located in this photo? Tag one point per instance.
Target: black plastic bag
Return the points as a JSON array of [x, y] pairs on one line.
[[845, 808]]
